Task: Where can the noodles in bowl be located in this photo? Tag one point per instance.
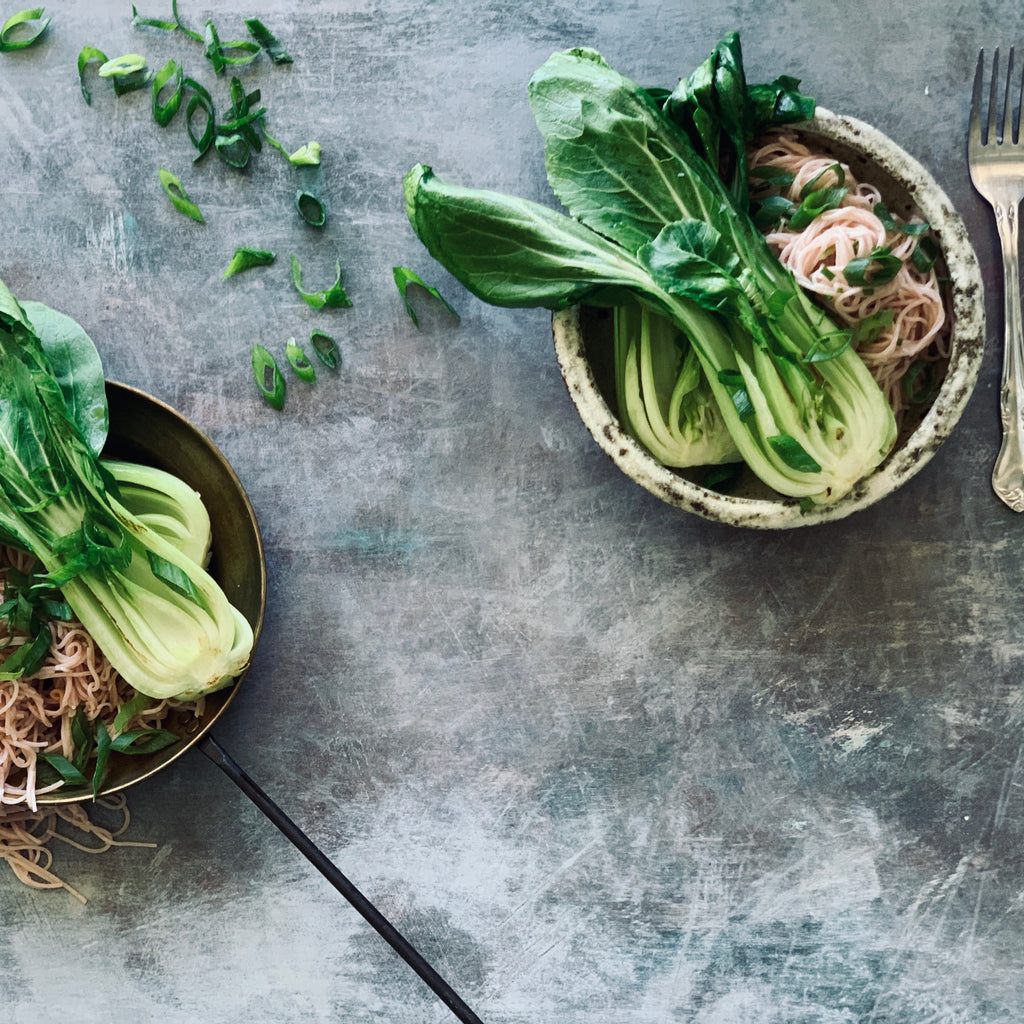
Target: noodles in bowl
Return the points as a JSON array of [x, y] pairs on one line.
[[950, 332]]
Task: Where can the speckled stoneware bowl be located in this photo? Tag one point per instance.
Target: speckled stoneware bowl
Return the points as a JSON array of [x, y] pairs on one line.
[[583, 344]]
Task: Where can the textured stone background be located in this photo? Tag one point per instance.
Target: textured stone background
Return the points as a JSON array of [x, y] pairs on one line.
[[603, 763]]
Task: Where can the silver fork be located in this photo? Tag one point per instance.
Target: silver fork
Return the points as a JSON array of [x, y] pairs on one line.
[[995, 155]]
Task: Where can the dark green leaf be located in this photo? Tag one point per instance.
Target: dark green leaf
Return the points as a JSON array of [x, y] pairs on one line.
[[737, 388], [200, 100], [233, 149], [246, 259], [129, 709], [879, 267], [102, 757], [223, 55], [167, 26], [26, 659], [67, 771], [178, 196], [816, 203], [269, 378], [10, 37], [333, 297], [404, 277], [143, 741]]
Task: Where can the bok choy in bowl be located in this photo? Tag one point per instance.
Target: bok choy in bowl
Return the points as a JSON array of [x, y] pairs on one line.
[[697, 359]]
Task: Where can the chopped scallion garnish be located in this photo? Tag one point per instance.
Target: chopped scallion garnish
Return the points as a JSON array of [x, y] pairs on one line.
[[268, 376], [275, 51], [299, 361], [177, 195], [333, 297], [11, 39], [311, 209], [246, 259], [405, 277]]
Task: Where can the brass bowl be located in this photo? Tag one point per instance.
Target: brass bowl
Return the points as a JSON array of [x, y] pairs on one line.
[[583, 344], [145, 430]]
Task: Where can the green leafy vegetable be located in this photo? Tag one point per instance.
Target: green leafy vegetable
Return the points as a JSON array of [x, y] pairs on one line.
[[311, 209], [880, 266], [333, 297], [179, 197], [246, 259], [224, 55], [299, 361], [326, 349], [268, 376], [277, 53], [173, 25], [10, 37], [57, 502], [404, 277], [651, 220]]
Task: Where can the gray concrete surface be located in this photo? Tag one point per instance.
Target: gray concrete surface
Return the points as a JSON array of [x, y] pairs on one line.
[[603, 763]]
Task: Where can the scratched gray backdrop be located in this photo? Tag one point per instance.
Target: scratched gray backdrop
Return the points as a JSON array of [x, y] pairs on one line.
[[601, 762]]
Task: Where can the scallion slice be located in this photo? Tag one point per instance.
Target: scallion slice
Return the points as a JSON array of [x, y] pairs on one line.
[[326, 349], [311, 209], [9, 36], [879, 267], [177, 195], [119, 67], [223, 55], [403, 278], [87, 56], [168, 26], [299, 361], [200, 99], [268, 376], [170, 74], [331, 298], [246, 259], [275, 51]]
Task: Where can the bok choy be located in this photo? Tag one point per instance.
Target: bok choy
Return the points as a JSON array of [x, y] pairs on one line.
[[649, 220], [134, 580]]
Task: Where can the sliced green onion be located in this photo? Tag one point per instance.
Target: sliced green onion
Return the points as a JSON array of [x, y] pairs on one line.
[[816, 203], [275, 51], [772, 210], [326, 349], [177, 195], [28, 657], [219, 54], [119, 67], [331, 298], [879, 267], [168, 26], [175, 577], [403, 278], [307, 155], [87, 56], [925, 254], [201, 99], [171, 72], [246, 259], [12, 24], [871, 326], [143, 741], [268, 376], [737, 388], [65, 769], [793, 454], [129, 709], [777, 176], [299, 361], [102, 756], [812, 185], [233, 149], [310, 208]]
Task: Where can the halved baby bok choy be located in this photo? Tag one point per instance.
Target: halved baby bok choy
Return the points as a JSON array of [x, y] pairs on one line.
[[136, 586]]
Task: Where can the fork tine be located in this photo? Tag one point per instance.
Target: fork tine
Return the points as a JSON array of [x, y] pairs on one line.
[[993, 96], [974, 124], [1008, 134]]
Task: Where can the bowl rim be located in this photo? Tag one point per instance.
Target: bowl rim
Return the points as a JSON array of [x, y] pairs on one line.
[[966, 354]]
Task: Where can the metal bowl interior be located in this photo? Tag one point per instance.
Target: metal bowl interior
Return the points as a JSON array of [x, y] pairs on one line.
[[583, 344], [145, 430]]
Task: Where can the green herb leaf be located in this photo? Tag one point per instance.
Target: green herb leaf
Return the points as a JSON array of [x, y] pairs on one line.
[[269, 378], [87, 56], [27, 658], [299, 361], [142, 741], [177, 195], [246, 259], [275, 51], [9, 37], [326, 349], [163, 112], [333, 297], [403, 278]]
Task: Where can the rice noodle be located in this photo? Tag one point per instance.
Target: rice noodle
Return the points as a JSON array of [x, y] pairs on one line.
[[36, 713], [817, 255]]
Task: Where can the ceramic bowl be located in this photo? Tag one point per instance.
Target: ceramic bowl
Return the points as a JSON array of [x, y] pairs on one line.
[[583, 346], [146, 430]]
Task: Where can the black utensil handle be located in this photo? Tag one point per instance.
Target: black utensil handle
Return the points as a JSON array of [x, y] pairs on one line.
[[216, 753]]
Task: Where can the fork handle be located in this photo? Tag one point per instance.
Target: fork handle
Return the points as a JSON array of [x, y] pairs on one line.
[[1008, 472]]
